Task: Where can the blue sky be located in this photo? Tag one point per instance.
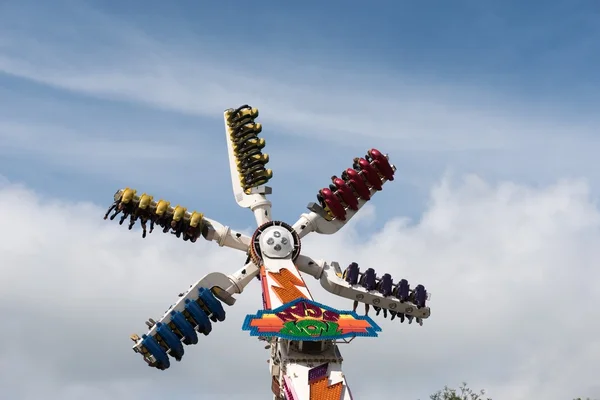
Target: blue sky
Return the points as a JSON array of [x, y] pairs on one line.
[[102, 94]]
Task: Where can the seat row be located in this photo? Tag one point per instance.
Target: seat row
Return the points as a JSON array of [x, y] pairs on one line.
[[247, 147], [176, 219], [355, 184], [386, 287], [179, 326]]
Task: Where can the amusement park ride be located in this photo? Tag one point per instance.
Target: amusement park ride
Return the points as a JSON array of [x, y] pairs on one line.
[[302, 335]]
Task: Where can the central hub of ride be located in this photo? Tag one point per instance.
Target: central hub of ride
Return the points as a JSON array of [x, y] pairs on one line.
[[275, 240]]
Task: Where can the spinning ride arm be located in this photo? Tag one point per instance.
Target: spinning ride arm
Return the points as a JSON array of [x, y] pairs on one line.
[[366, 287], [183, 224], [193, 312], [247, 162], [346, 194]]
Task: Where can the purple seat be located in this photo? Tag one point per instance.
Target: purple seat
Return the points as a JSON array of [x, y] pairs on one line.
[[351, 274], [420, 296], [368, 279], [385, 288], [402, 290], [385, 285]]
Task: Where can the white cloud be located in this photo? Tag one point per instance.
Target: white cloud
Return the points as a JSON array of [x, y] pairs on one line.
[[512, 270]]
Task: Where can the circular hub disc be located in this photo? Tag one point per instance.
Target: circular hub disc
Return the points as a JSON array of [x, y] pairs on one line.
[[275, 240]]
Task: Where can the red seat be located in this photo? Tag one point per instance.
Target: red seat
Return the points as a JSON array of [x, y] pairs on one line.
[[358, 184], [370, 173], [345, 193], [333, 203], [381, 163]]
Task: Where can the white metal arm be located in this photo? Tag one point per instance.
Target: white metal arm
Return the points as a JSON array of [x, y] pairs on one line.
[[225, 236]]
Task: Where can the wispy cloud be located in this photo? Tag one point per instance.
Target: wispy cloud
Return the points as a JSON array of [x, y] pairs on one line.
[[315, 102], [91, 153]]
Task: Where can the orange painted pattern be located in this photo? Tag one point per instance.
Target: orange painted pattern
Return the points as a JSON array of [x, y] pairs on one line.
[[319, 390], [265, 288], [288, 283], [346, 323]]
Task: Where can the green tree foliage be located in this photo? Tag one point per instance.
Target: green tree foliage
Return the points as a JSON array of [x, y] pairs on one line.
[[462, 393], [466, 393]]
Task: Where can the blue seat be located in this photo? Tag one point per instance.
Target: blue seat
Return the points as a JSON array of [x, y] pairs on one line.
[[152, 346], [211, 302], [185, 327], [171, 340], [199, 316]]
